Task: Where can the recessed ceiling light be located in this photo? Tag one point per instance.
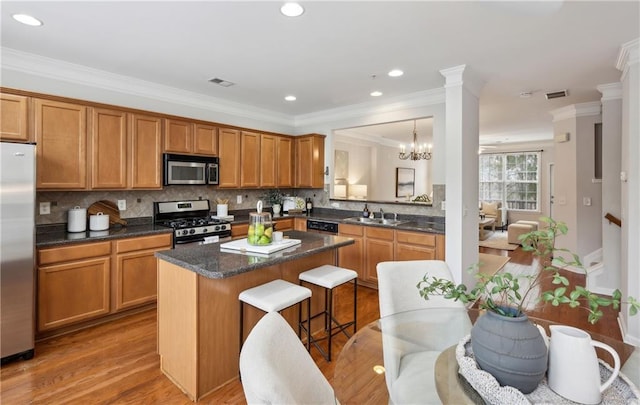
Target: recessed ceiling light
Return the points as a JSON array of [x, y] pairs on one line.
[[290, 98], [395, 73], [27, 20], [292, 9], [376, 93]]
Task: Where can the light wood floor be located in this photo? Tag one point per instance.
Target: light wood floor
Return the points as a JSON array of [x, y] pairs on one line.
[[117, 363]]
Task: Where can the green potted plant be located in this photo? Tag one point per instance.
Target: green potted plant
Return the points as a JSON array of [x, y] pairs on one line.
[[503, 295], [274, 197]]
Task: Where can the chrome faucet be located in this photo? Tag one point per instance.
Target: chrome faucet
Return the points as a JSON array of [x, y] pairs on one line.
[[381, 214], [395, 216]]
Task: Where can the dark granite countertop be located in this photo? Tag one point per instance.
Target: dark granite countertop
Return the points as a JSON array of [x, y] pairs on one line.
[[417, 223], [208, 261], [57, 235]]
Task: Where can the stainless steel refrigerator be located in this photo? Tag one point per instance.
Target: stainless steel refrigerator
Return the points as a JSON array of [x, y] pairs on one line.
[[17, 245]]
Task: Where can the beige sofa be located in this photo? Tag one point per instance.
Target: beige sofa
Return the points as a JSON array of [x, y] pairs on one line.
[[492, 209]]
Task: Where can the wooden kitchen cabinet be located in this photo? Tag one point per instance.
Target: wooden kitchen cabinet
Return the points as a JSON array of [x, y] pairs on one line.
[[135, 279], [300, 224], [284, 162], [14, 118], [81, 284], [145, 152], [415, 246], [178, 136], [190, 138], [205, 140], [309, 161], [108, 136], [229, 149], [61, 151], [239, 231], [268, 158], [72, 284], [379, 247], [250, 159], [352, 256], [286, 224]]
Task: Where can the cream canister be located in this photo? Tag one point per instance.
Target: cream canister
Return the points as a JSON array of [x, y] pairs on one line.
[[99, 222], [77, 219]]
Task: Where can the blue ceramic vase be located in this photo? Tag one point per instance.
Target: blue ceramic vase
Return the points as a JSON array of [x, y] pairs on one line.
[[510, 349]]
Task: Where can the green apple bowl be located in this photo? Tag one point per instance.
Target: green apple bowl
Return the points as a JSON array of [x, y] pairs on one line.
[[260, 230]]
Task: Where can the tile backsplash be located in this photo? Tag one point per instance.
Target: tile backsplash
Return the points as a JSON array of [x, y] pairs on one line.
[[140, 202]]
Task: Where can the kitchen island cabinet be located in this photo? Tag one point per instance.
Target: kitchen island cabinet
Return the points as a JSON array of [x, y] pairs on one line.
[[199, 311]]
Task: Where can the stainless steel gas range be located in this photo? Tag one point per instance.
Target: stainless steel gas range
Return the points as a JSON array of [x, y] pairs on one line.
[[191, 221]]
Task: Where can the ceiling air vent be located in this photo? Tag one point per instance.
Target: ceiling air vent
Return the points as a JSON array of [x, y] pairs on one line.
[[221, 82], [557, 94]]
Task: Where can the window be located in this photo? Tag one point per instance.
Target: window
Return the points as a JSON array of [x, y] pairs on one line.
[[512, 178]]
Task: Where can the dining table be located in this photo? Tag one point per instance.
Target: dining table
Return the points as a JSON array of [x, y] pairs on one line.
[[410, 357]]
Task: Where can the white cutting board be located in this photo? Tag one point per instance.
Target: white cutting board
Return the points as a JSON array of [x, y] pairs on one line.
[[243, 245]]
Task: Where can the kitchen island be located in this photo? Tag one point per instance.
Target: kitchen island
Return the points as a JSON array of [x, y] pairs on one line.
[[199, 311]]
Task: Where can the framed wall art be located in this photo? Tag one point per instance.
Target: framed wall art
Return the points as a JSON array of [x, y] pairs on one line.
[[405, 181]]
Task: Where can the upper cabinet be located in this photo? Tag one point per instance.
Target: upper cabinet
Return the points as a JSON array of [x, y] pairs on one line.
[[190, 138], [284, 162], [61, 137], [205, 140], [268, 160], [14, 118], [145, 152], [309, 162], [178, 136], [229, 150], [250, 159], [107, 148]]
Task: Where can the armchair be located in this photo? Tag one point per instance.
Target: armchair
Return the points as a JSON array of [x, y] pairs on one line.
[[494, 210]]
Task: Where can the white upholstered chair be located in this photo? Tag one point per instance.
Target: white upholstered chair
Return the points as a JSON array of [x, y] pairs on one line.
[[277, 369], [408, 363], [397, 282]]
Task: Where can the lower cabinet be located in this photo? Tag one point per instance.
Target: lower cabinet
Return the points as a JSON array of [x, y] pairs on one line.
[[373, 245], [89, 281], [286, 224], [378, 247]]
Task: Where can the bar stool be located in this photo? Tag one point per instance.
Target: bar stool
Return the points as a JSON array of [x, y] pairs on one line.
[[329, 277], [275, 296]]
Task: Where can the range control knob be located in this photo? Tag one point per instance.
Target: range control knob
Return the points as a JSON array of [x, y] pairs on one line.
[[192, 231], [185, 232], [217, 227], [204, 230]]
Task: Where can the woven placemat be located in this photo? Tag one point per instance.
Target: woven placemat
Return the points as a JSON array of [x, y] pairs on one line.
[[621, 391]]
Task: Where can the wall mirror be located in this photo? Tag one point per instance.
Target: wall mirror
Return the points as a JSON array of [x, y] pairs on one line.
[[366, 162]]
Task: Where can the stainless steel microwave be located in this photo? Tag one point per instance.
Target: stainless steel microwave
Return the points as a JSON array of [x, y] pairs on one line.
[[190, 170]]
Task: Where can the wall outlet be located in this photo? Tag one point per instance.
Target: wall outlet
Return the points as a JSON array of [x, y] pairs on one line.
[[586, 201], [122, 205], [239, 199], [45, 208]]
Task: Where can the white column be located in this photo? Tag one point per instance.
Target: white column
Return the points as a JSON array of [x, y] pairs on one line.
[[628, 63], [462, 131], [607, 278]]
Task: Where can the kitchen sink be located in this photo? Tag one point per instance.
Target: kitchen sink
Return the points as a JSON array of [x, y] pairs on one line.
[[379, 221]]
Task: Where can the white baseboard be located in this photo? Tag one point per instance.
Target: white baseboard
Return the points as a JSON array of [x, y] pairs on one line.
[[592, 274], [632, 340], [593, 257]]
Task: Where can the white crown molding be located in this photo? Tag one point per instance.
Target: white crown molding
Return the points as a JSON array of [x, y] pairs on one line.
[[413, 100], [73, 73], [462, 76], [628, 55], [610, 91], [577, 110]]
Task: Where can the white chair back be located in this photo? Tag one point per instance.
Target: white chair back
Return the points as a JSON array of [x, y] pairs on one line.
[[277, 369], [397, 283]]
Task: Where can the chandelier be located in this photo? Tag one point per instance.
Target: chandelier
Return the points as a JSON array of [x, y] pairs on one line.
[[418, 152]]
